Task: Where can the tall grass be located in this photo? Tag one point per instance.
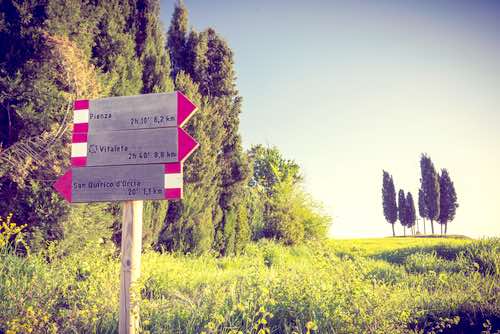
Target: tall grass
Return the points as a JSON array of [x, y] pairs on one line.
[[357, 286]]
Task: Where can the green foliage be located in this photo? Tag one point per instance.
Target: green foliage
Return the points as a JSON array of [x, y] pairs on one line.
[[150, 42], [255, 204], [219, 84], [271, 168], [221, 169], [229, 233], [447, 200], [410, 211], [57, 295], [57, 51], [155, 60], [11, 236], [114, 50], [60, 43], [421, 204], [154, 213], [389, 199], [430, 188], [281, 221], [289, 214], [176, 41], [269, 286], [402, 208]]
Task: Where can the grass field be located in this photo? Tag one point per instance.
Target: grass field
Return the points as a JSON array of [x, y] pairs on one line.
[[390, 285]]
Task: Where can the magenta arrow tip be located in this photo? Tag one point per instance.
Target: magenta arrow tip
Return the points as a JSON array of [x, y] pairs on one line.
[[187, 145], [63, 185], [185, 109]]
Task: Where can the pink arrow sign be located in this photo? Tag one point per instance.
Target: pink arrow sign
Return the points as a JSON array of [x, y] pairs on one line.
[[147, 111], [121, 183], [146, 146]]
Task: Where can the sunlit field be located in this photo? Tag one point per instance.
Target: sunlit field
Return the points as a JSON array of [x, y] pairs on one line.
[[391, 285]]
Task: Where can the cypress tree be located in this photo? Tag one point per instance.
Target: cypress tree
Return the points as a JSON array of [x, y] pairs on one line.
[[114, 51], [430, 188], [150, 42], [177, 37], [421, 206], [197, 60], [155, 61], [402, 209], [447, 201], [189, 225], [190, 58], [219, 84], [208, 60], [410, 211], [389, 200]]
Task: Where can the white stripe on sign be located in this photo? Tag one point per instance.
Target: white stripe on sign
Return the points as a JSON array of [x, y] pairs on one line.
[[78, 150], [81, 116], [173, 181]]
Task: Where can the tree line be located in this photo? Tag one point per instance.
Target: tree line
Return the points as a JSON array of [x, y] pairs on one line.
[[57, 51], [437, 199]]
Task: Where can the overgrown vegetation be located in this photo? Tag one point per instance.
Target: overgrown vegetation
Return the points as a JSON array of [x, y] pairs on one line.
[[396, 285], [60, 50]]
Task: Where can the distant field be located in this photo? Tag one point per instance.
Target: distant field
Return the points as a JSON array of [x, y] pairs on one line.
[[389, 285], [373, 246]]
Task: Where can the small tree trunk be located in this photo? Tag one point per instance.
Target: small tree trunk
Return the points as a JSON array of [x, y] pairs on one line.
[[404, 231], [441, 226], [424, 227], [418, 227], [393, 232], [445, 228], [432, 226]]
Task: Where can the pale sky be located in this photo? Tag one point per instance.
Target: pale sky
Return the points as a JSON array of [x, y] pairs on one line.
[[348, 88]]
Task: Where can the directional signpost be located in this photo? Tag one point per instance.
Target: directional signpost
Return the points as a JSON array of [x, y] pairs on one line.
[[130, 149]]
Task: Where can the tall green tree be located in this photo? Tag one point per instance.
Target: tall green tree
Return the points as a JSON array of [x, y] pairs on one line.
[[402, 209], [421, 207], [214, 66], [447, 201], [430, 188], [189, 225], [177, 37], [114, 51], [150, 48], [208, 60], [156, 68], [389, 200], [410, 212]]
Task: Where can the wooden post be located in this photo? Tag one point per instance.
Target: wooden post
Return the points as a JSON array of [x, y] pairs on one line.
[[131, 266]]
